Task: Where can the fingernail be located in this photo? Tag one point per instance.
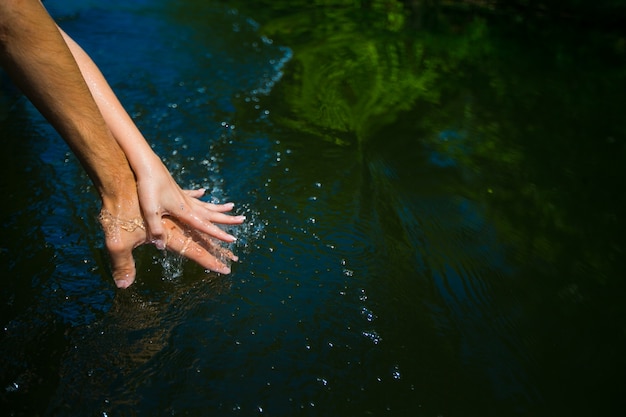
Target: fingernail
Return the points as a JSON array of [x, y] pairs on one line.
[[122, 284], [123, 280], [160, 245]]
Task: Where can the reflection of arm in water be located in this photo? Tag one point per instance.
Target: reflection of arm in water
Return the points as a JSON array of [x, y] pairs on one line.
[[33, 52]]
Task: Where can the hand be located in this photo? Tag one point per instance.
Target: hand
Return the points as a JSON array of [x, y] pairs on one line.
[[160, 197], [123, 235]]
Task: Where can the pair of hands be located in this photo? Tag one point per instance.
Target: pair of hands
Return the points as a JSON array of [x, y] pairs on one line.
[[172, 219], [141, 202]]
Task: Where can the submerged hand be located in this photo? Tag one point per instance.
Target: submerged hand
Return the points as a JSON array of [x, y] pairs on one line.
[[123, 235]]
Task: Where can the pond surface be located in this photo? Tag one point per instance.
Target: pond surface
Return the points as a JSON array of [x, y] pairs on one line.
[[435, 218]]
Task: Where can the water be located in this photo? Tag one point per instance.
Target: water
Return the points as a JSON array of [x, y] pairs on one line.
[[434, 226]]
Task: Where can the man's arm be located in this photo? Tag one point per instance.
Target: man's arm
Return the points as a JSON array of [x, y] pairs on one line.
[[34, 54]]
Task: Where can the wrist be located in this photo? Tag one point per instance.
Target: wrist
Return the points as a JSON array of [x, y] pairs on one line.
[[119, 194], [148, 167]]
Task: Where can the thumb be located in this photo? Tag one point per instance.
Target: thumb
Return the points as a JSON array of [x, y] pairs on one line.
[[156, 232]]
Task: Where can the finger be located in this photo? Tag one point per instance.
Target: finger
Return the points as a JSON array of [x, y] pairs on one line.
[[200, 219], [220, 207], [122, 262], [222, 218], [212, 230], [156, 231], [216, 213], [210, 206], [185, 245], [195, 193], [212, 246]]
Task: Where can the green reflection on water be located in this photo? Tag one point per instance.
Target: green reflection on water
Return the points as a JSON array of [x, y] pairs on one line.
[[532, 113]]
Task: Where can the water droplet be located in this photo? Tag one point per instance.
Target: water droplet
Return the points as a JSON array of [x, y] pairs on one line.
[[395, 372], [14, 387], [373, 336], [369, 315]]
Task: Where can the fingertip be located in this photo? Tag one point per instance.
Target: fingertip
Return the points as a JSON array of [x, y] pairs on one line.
[[220, 208], [122, 262], [122, 284], [123, 280], [160, 244], [157, 233], [196, 193], [223, 270]]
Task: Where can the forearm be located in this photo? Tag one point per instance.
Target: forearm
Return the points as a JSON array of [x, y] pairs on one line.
[[34, 54], [140, 155]]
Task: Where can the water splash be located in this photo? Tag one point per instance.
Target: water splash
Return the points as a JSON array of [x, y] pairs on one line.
[[250, 231], [172, 265]]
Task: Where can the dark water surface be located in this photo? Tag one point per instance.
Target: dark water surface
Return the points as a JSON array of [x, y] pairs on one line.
[[435, 219]]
